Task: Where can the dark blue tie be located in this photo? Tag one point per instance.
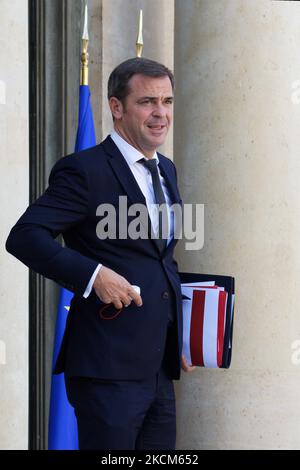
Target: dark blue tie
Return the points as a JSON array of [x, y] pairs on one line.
[[151, 165], [159, 199]]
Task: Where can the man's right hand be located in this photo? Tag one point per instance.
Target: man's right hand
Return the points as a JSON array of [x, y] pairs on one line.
[[110, 287]]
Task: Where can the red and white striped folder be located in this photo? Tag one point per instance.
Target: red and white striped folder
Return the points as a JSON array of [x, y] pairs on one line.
[[206, 307]]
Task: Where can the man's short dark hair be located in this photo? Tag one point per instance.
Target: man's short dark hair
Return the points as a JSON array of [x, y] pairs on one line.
[[120, 76]]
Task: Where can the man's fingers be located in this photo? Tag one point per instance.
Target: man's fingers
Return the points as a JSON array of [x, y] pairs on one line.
[[126, 300], [135, 297], [111, 287], [186, 367], [117, 304]]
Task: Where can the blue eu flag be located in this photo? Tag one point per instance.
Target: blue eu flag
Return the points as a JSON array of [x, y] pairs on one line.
[[62, 421]]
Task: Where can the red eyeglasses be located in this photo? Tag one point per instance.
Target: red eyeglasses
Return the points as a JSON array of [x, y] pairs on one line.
[[109, 307]]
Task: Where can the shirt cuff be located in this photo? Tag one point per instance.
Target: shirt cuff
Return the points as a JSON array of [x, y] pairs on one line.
[[91, 282]]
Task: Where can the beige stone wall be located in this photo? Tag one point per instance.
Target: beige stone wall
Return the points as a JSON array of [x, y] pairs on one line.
[[14, 171], [237, 151]]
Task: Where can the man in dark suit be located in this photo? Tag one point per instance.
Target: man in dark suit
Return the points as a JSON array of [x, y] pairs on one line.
[[119, 363]]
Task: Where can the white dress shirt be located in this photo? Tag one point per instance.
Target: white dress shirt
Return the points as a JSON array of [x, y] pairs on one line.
[[144, 180]]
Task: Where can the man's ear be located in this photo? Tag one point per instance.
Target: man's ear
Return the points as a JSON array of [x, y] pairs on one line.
[[116, 107]]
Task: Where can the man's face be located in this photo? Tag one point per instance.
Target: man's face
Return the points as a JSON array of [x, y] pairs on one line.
[[146, 114]]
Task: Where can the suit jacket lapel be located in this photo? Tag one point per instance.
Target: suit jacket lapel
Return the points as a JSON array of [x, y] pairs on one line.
[[123, 172], [129, 184], [173, 192], [171, 184], [127, 180]]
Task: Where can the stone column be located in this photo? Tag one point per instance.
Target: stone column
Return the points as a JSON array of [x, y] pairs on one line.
[[14, 195], [236, 147]]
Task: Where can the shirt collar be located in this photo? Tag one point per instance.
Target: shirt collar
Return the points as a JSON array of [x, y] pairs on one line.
[[130, 153]]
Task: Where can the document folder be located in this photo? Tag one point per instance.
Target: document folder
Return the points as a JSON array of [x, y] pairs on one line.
[[208, 310]]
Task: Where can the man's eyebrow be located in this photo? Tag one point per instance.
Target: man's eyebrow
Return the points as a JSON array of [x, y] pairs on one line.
[[154, 98]]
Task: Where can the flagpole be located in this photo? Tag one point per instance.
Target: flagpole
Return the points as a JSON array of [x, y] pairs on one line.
[[139, 42], [84, 71], [62, 420]]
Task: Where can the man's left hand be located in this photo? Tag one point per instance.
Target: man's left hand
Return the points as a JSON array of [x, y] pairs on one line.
[[185, 366]]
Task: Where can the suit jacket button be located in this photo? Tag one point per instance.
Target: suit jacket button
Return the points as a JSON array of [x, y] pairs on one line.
[[165, 295]]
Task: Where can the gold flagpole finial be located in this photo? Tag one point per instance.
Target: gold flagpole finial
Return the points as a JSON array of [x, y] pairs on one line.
[[139, 41], [84, 72]]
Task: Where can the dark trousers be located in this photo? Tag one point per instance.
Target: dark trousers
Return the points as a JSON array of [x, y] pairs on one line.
[[124, 414]]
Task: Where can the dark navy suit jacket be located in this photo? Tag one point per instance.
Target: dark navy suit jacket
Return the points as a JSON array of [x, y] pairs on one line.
[[132, 345]]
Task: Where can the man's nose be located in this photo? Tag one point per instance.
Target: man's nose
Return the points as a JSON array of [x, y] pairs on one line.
[[159, 110]]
